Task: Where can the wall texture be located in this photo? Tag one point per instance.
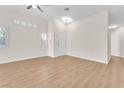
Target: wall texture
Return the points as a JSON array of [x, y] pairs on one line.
[[24, 42], [88, 38]]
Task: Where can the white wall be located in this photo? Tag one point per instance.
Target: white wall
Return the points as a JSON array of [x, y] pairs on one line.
[[57, 38], [117, 42], [88, 38], [24, 42]]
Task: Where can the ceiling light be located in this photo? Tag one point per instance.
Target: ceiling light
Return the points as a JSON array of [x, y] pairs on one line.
[[66, 19], [113, 26], [34, 6]]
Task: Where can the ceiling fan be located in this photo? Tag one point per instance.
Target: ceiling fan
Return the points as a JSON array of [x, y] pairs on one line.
[[35, 6]]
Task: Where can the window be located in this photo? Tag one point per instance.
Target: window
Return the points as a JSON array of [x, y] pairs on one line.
[[3, 38], [25, 24]]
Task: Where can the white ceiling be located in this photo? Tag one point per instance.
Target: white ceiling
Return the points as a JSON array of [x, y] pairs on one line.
[[76, 11]]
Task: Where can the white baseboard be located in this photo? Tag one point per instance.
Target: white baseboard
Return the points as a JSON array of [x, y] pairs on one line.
[[56, 56], [26, 58], [99, 61], [118, 56], [21, 59]]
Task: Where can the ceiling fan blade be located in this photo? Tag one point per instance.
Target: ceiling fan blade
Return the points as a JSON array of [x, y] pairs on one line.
[[29, 7], [40, 8]]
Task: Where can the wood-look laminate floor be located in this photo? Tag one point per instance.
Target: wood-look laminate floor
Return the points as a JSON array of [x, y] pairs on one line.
[[62, 72]]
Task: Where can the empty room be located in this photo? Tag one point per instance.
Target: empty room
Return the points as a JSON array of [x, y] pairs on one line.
[[61, 46]]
